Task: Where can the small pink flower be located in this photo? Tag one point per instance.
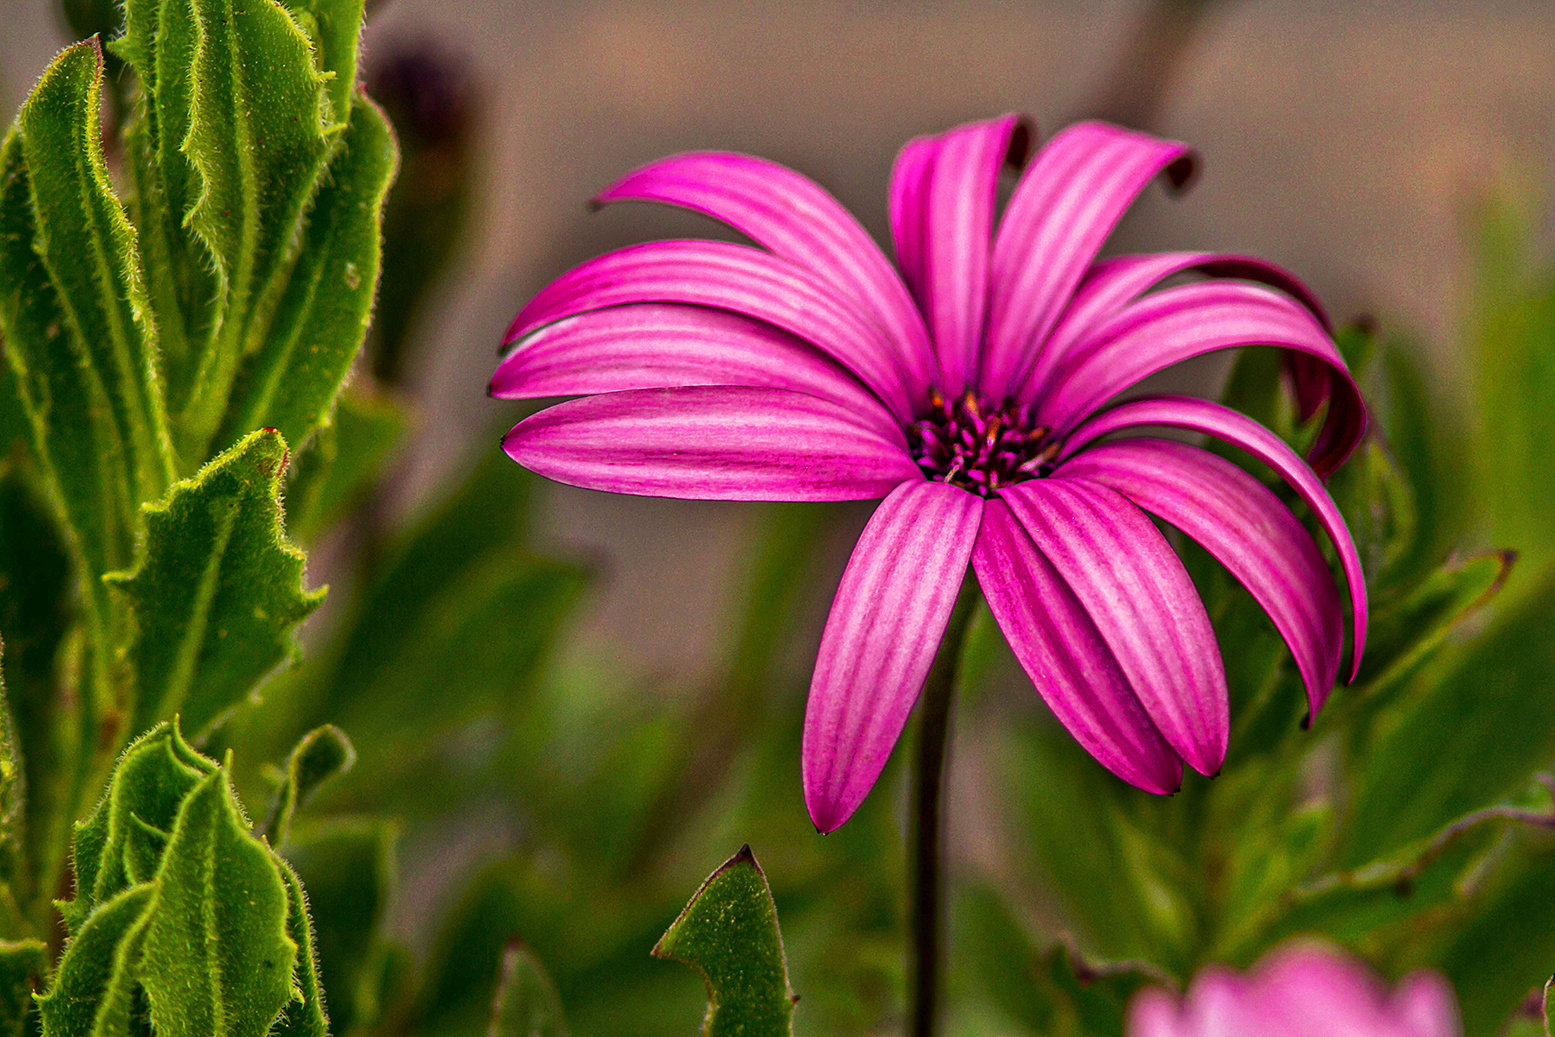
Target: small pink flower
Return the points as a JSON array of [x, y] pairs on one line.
[[1302, 989], [970, 386]]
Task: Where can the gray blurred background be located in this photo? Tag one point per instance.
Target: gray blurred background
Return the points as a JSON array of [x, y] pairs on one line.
[[1348, 141]]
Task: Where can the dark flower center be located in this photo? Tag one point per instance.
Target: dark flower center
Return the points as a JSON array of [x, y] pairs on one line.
[[979, 445]]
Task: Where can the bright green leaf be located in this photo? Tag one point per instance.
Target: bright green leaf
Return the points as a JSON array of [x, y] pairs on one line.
[[290, 380], [94, 977], [334, 26], [258, 142], [23, 964], [322, 753], [526, 1004], [218, 590], [218, 930], [309, 1018], [729, 934]]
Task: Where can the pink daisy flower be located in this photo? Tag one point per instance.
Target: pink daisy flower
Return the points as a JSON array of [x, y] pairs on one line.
[[1303, 989], [970, 386]]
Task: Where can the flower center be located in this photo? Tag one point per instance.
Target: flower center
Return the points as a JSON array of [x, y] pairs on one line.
[[978, 445]]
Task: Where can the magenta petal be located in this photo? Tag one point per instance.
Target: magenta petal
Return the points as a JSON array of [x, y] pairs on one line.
[[1245, 526], [1139, 596], [1239, 430], [1173, 325], [1111, 284], [885, 626], [943, 192], [737, 278], [796, 218], [659, 345], [1065, 206], [711, 443], [1064, 655]]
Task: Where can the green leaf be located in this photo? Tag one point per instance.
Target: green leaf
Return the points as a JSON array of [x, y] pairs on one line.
[[122, 842], [258, 141], [729, 934], [218, 929], [23, 963], [334, 27], [335, 470], [526, 1003], [13, 803], [92, 993], [290, 381], [218, 590], [322, 753], [308, 1019], [347, 865]]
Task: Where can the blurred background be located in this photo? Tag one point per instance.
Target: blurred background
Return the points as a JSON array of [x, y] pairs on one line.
[[1347, 140], [1354, 142]]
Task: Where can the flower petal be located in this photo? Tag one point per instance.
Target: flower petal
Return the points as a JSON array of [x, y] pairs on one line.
[[1064, 207], [659, 345], [943, 192], [1064, 655], [1241, 523], [738, 278], [885, 626], [1111, 284], [1139, 596], [1173, 325], [711, 443], [1239, 430], [796, 218]]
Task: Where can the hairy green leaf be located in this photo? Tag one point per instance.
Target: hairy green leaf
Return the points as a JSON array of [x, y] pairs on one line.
[[92, 993], [729, 933], [258, 140], [289, 382], [525, 1004], [122, 842], [13, 802], [334, 27], [218, 590], [321, 754], [218, 929], [23, 964], [305, 1016]]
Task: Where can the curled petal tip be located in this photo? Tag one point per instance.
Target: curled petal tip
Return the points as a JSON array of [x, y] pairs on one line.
[[1183, 172]]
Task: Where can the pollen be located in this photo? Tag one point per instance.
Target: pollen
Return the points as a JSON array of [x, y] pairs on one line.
[[980, 445]]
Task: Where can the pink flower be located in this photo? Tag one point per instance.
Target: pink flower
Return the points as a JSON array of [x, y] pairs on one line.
[[1303, 989], [969, 386]]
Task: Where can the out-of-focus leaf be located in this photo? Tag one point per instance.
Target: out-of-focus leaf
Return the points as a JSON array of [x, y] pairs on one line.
[[347, 866], [290, 381], [729, 933], [322, 753], [122, 842], [217, 929], [1045, 991], [1460, 735], [334, 470], [92, 992], [217, 591], [23, 964], [258, 140], [525, 1004]]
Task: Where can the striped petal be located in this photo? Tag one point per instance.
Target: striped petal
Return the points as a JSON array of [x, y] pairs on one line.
[[1111, 284], [1239, 430], [884, 629], [943, 192], [1173, 325], [796, 218], [1073, 194], [711, 443], [1239, 521], [657, 345], [1064, 655], [1139, 596], [730, 277]]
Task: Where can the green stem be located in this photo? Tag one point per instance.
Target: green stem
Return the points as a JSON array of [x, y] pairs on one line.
[[925, 837]]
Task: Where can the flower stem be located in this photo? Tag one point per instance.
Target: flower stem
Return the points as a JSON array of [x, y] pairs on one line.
[[925, 837]]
